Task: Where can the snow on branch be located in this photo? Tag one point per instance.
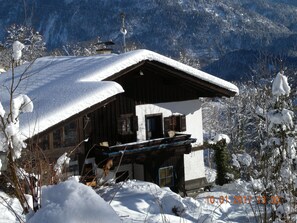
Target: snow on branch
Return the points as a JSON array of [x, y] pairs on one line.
[[2, 111], [17, 48], [21, 104], [218, 138], [241, 159], [280, 85], [61, 162], [283, 117], [10, 134]]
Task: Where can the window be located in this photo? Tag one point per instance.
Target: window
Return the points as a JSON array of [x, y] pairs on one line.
[[166, 176], [153, 126], [57, 138], [175, 123], [70, 134], [127, 124], [66, 136], [43, 142]]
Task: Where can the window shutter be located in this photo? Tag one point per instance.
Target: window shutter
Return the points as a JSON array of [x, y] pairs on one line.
[[127, 124], [183, 126], [167, 121], [120, 123], [134, 123], [174, 122], [177, 123]]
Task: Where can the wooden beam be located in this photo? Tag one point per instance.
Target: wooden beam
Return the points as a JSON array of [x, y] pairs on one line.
[[125, 71]]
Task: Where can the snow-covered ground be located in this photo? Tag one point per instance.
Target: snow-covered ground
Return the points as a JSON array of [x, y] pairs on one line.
[[135, 201], [229, 203], [8, 207]]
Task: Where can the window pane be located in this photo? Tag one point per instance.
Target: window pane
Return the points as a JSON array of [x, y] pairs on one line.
[[169, 172], [43, 142], [70, 134], [125, 124], [162, 173], [162, 183], [168, 181], [57, 138], [166, 176]]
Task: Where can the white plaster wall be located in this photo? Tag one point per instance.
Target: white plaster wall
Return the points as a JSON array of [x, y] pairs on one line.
[[194, 163], [191, 108], [138, 171]]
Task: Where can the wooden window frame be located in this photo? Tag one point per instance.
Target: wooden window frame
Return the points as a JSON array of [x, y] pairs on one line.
[[161, 127], [131, 125], [171, 177], [175, 123], [44, 142], [62, 136]]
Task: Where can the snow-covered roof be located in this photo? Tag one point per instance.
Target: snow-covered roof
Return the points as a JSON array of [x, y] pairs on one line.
[[116, 63], [57, 89], [61, 87]]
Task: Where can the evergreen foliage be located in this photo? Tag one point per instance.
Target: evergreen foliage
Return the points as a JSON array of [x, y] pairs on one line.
[[221, 158]]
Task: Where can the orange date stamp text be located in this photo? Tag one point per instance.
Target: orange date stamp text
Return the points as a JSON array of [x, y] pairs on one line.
[[243, 199]]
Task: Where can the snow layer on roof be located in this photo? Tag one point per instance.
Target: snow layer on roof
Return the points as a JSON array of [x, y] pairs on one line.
[[116, 63], [55, 87], [61, 87]]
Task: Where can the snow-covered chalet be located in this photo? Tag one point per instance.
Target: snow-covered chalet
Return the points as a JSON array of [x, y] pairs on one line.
[[135, 115]]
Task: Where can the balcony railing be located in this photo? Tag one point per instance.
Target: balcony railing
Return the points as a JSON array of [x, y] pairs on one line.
[[148, 146]]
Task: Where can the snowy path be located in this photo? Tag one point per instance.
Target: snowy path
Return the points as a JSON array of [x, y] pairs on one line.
[[226, 204]]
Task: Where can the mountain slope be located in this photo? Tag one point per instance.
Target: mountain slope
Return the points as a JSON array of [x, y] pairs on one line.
[[207, 29]]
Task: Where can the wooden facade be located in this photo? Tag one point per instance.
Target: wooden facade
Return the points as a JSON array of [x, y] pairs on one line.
[[111, 126]]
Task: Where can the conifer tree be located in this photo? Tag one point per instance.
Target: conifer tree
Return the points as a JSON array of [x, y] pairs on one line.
[[221, 158]]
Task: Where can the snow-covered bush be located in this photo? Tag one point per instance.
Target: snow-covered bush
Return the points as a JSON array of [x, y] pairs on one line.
[[11, 139]]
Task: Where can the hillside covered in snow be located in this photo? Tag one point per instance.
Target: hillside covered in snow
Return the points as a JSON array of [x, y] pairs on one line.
[[229, 33]]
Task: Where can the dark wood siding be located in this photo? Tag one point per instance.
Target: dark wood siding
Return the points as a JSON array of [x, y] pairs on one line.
[[155, 87], [105, 121], [154, 163]]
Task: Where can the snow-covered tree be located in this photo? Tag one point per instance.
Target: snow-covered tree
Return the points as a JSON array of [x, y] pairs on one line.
[[189, 60], [33, 44], [279, 151], [11, 140], [87, 48], [261, 127], [238, 118], [273, 166]]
